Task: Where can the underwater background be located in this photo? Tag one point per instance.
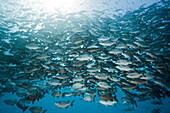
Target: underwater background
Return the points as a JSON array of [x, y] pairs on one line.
[[72, 56]]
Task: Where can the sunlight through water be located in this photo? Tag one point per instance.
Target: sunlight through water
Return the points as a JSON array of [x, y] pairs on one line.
[[88, 56], [65, 6]]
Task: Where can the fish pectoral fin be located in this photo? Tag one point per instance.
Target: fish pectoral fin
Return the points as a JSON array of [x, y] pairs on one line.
[[60, 107]]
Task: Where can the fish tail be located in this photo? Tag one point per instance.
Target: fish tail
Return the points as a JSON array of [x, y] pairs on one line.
[[25, 108], [44, 111], [72, 102], [136, 104]]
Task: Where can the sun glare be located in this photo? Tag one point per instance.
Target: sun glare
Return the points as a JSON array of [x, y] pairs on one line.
[[63, 5]]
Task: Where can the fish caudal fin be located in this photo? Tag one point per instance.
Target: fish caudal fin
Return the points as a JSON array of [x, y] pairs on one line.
[[25, 108], [72, 102], [44, 111]]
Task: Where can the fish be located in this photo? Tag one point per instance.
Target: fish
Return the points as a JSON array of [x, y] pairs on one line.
[[156, 102], [103, 38], [21, 94], [101, 76], [106, 43], [78, 79], [37, 109], [115, 51], [107, 102], [68, 94], [129, 99], [54, 82], [91, 93], [56, 94], [156, 110], [124, 68], [122, 62], [64, 104], [107, 96], [32, 46], [25, 100], [22, 106], [88, 98], [77, 85], [134, 75], [88, 56], [84, 57], [11, 102], [103, 85]]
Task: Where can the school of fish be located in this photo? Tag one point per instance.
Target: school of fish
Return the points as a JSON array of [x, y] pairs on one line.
[[90, 56]]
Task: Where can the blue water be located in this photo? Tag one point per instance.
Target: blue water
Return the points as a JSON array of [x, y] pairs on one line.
[[32, 28], [85, 107]]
